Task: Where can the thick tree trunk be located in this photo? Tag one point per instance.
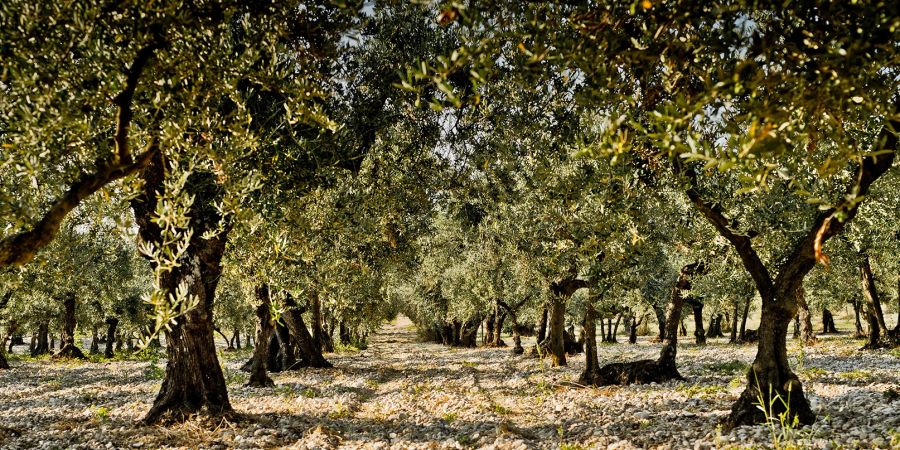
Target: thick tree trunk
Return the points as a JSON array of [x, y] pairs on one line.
[[542, 325], [287, 354], [699, 333], [67, 345], [42, 345], [633, 329], [591, 363], [310, 354], [258, 375], [557, 330], [193, 380], [879, 336], [111, 324], [807, 333], [828, 326]]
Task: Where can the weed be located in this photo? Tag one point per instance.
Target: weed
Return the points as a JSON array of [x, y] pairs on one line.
[[154, 372], [286, 390], [309, 393], [728, 367], [499, 409], [857, 375], [449, 417], [100, 413], [340, 411], [698, 391], [372, 384], [472, 364], [812, 372]]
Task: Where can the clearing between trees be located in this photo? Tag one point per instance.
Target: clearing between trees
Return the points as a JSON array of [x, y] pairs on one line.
[[401, 393]]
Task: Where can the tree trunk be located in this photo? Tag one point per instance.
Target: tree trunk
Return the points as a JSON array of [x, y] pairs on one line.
[[699, 333], [499, 317], [879, 336], [860, 333], [591, 363], [542, 325], [344, 333], [67, 345], [286, 352], [828, 326], [258, 375], [193, 380], [660, 322], [316, 318], [237, 338], [42, 345], [633, 329], [615, 330], [743, 335], [309, 352], [111, 324], [95, 340], [557, 329], [807, 333]]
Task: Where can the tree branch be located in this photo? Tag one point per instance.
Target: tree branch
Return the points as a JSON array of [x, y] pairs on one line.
[[125, 98], [20, 248], [827, 224], [742, 243]]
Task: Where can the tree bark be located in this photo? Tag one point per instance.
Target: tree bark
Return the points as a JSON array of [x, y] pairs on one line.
[[499, 318], [95, 340], [111, 324], [591, 363], [860, 333], [743, 334], [542, 325], [316, 318], [879, 336], [807, 333], [828, 326], [557, 329], [699, 333], [67, 345], [660, 322], [258, 375], [310, 354], [193, 380]]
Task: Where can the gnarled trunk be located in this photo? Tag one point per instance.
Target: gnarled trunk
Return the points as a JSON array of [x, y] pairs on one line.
[[660, 322], [111, 324], [258, 375], [67, 347], [310, 354], [557, 329], [193, 380]]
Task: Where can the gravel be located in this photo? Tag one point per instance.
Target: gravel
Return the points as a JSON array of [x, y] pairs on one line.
[[403, 394]]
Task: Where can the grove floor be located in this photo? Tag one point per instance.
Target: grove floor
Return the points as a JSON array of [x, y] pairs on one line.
[[400, 393]]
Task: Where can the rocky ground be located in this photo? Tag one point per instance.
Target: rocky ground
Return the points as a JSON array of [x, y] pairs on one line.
[[403, 394]]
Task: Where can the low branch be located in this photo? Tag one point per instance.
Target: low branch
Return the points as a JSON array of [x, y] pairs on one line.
[[20, 248]]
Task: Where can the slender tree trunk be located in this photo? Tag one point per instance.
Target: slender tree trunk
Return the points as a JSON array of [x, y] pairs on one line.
[[67, 345], [602, 329], [879, 335], [309, 352], [542, 325], [807, 333], [258, 375], [743, 334], [193, 380], [111, 324], [633, 329], [237, 337], [344, 333], [660, 322], [591, 363], [734, 336], [860, 333]]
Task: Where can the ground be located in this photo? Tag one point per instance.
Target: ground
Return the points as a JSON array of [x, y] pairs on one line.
[[400, 393]]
